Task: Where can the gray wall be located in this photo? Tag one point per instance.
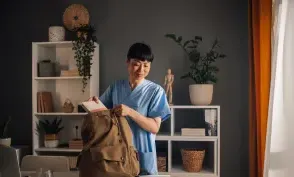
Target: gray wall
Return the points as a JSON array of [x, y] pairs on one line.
[[120, 23]]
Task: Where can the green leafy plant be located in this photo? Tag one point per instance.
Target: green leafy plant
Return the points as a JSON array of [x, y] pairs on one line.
[[4, 128], [84, 46], [47, 127], [202, 70]]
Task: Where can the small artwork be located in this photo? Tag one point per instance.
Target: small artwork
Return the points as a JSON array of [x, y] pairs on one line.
[[168, 86], [211, 122]]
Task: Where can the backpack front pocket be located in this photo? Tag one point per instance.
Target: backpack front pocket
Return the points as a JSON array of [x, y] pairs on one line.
[[109, 158]]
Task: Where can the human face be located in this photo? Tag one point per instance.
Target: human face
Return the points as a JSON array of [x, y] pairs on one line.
[[138, 69]]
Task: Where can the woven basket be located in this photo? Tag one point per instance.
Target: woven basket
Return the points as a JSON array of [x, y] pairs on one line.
[[161, 164], [68, 106], [72, 161], [192, 159], [75, 15]]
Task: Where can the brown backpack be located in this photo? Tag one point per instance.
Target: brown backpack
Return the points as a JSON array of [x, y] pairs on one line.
[[108, 149]]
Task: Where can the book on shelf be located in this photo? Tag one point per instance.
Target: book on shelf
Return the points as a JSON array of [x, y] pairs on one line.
[[44, 102], [93, 106], [193, 131]]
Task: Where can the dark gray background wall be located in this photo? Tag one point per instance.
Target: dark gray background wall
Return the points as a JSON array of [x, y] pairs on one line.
[[121, 23]]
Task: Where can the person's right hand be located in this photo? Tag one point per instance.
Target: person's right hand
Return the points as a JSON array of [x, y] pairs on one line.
[[94, 98]]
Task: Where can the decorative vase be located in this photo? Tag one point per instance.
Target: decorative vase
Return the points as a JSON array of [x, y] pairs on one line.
[[5, 141], [201, 94], [46, 68], [56, 33], [51, 141]]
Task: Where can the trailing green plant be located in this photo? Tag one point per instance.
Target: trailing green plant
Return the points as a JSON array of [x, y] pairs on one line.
[[4, 128], [202, 70], [49, 127], [84, 46]]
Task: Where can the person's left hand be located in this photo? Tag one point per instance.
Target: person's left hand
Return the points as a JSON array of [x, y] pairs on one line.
[[122, 110]]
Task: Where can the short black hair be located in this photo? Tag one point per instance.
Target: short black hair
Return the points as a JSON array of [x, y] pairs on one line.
[[140, 51]]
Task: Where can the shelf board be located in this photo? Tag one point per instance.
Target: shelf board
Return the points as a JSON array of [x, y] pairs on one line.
[[194, 107], [58, 78], [178, 170], [43, 149], [54, 44], [55, 173], [60, 114], [66, 44], [179, 137]]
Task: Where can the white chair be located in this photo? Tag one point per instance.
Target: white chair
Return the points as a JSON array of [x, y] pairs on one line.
[[53, 163], [9, 164]]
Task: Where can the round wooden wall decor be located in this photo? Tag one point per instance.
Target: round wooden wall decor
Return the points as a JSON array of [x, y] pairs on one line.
[[75, 15]]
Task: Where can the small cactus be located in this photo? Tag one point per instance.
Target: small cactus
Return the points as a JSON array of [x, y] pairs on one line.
[[4, 128]]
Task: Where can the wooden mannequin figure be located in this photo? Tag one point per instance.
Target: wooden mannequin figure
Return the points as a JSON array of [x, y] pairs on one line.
[[168, 84]]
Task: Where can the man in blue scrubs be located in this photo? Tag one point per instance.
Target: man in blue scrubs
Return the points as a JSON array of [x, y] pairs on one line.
[[142, 102]]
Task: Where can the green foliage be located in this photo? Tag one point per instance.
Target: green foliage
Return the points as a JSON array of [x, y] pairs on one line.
[[47, 127], [4, 128], [84, 46], [202, 70]]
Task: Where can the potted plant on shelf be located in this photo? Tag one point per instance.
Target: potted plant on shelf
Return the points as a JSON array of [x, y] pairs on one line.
[[202, 68], [50, 130], [5, 139], [84, 46]]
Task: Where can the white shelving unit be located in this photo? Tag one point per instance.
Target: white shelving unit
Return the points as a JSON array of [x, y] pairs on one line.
[[70, 87], [174, 168], [61, 88]]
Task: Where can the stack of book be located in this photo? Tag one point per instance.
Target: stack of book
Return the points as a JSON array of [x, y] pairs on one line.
[[193, 131], [75, 144], [69, 73]]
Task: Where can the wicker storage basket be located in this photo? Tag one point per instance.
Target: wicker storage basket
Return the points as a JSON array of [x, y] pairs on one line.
[[192, 159], [72, 161], [68, 106], [161, 163]]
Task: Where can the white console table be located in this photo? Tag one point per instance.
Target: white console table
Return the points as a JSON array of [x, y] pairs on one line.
[[72, 174]]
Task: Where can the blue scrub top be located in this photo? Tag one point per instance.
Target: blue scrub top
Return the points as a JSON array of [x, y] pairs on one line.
[[149, 99]]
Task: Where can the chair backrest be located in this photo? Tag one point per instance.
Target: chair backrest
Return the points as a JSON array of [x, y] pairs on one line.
[[9, 164], [53, 163]]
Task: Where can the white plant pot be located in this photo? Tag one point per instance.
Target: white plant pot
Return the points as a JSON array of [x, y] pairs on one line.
[[5, 141], [51, 143], [201, 94], [56, 33]]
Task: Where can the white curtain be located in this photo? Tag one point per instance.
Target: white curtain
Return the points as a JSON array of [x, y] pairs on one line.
[[279, 153]]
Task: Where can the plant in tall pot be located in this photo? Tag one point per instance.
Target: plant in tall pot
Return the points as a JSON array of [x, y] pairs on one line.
[[50, 130], [4, 138], [84, 47], [202, 68]]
